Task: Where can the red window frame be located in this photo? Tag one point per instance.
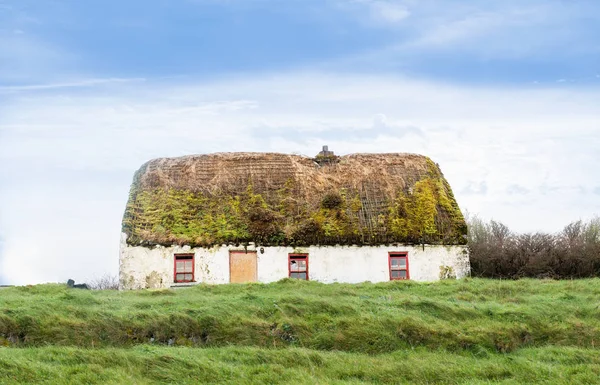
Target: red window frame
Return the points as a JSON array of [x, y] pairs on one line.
[[398, 254], [293, 257], [184, 257]]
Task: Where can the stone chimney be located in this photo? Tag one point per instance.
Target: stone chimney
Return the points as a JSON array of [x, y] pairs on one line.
[[325, 152]]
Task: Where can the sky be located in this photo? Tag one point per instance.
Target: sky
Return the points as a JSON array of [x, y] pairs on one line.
[[503, 94]]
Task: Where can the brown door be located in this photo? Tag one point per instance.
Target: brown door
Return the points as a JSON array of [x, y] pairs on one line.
[[242, 266]]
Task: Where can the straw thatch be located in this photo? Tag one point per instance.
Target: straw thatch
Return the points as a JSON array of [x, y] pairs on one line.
[[272, 198]]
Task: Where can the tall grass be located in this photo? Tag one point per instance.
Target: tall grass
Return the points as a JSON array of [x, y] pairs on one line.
[[471, 315], [250, 365]]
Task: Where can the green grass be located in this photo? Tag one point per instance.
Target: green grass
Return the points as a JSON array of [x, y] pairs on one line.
[[235, 365], [467, 331]]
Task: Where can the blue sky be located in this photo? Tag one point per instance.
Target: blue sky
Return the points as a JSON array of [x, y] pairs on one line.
[[505, 95], [467, 41]]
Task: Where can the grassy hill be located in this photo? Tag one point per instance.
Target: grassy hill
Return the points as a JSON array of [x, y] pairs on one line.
[[468, 331]]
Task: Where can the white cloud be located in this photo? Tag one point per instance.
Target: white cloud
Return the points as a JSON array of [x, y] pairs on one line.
[[388, 11], [72, 151], [378, 11], [491, 29], [71, 84]]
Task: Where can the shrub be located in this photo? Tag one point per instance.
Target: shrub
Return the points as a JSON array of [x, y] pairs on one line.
[[331, 200], [106, 282], [497, 252]]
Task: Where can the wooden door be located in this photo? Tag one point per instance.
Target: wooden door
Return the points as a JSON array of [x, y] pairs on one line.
[[242, 266]]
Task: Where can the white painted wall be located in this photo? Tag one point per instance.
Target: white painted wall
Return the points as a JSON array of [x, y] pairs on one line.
[[142, 267]]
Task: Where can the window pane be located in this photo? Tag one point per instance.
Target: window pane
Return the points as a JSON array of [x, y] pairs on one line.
[[298, 265], [298, 275], [185, 266], [301, 265], [398, 262], [293, 265], [402, 273], [395, 274], [184, 277]]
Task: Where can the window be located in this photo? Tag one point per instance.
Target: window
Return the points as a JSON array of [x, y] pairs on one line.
[[398, 266], [184, 267], [298, 266]]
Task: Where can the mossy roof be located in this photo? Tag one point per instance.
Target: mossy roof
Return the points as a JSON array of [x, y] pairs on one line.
[[283, 199]]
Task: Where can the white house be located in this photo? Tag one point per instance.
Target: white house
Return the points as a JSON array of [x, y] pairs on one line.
[[261, 217]]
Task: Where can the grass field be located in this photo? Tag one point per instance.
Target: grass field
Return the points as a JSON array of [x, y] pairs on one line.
[[467, 331]]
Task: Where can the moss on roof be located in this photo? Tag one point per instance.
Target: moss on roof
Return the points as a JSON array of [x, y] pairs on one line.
[[280, 199]]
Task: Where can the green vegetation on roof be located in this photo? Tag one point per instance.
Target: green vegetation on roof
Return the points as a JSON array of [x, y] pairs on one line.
[[419, 209]]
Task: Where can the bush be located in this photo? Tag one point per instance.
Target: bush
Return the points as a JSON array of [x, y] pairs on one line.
[[106, 282], [331, 200], [497, 252], [263, 224]]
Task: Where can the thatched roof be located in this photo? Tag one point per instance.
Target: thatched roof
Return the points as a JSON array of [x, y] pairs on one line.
[[272, 198]]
